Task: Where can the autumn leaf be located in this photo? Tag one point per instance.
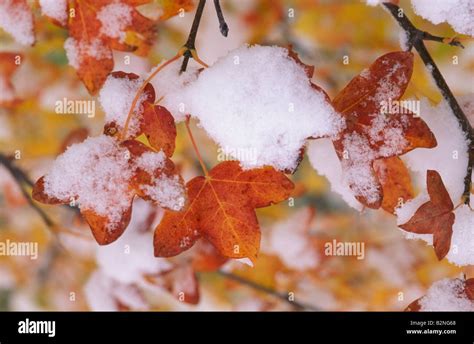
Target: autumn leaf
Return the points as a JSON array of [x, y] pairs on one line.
[[97, 27], [374, 130], [75, 136], [104, 194], [159, 127], [170, 8], [221, 209], [206, 257], [9, 62], [435, 216], [395, 180]]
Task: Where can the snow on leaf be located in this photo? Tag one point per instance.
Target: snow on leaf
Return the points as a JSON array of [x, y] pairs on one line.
[[458, 13], [446, 295], [16, 18], [371, 133], [116, 98], [221, 209], [435, 216], [260, 106], [98, 27], [101, 176]]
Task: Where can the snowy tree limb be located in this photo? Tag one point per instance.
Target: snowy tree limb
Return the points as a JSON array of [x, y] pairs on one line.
[[415, 39]]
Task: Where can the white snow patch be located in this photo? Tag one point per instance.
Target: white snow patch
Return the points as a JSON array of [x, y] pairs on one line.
[[169, 84], [95, 174], [288, 239], [257, 99], [116, 98], [115, 18], [462, 241], [16, 19], [76, 50], [56, 9], [446, 295], [458, 13], [322, 156], [449, 157]]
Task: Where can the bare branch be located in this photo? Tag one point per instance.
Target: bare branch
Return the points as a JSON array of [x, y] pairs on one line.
[[415, 39], [223, 27]]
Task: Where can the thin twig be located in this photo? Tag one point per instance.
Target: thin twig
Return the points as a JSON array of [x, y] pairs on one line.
[[21, 178], [223, 27], [282, 296], [415, 39], [190, 44]]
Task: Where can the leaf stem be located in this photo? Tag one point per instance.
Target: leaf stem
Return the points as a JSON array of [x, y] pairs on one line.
[[123, 134], [201, 162], [415, 39]]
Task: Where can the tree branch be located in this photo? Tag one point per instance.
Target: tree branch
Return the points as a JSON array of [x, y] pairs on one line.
[[282, 296], [190, 44], [21, 178], [415, 39], [223, 27]]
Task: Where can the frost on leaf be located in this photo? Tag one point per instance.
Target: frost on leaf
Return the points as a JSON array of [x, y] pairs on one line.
[[259, 105], [455, 295], [221, 209], [16, 18], [373, 134], [435, 216], [95, 29]]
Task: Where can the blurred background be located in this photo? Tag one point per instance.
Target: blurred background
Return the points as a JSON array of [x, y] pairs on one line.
[[73, 273]]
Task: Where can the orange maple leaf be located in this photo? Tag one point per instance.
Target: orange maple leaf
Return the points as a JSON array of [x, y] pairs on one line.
[[395, 180], [221, 209], [170, 8], [98, 26], [371, 134], [143, 179], [435, 216]]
